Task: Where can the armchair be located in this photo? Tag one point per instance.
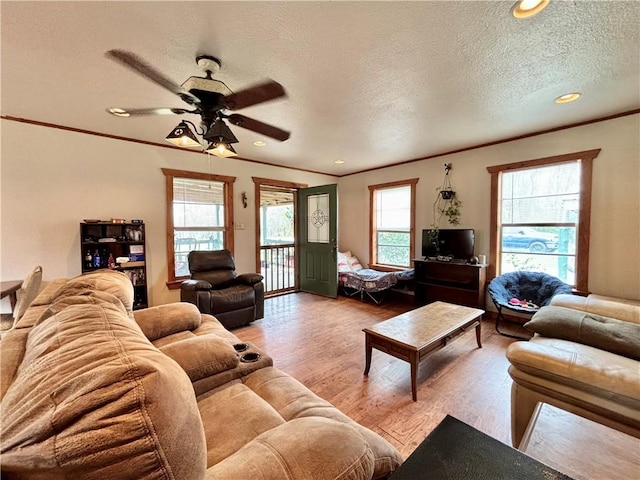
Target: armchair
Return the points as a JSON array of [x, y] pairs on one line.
[[216, 289], [536, 287]]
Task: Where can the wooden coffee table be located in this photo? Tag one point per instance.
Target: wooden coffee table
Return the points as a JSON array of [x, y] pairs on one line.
[[415, 334]]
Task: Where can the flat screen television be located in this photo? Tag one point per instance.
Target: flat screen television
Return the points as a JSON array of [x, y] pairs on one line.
[[457, 243]]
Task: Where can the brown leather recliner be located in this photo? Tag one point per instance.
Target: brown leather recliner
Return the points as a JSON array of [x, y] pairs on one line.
[[216, 289]]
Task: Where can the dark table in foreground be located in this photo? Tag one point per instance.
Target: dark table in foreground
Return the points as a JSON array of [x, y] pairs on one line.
[[10, 288], [457, 451]]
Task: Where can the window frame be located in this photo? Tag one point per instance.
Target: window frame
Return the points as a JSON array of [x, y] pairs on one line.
[[373, 237], [584, 222], [174, 282]]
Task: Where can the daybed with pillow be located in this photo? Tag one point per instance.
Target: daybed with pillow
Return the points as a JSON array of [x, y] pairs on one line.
[[584, 358], [92, 390], [354, 279]]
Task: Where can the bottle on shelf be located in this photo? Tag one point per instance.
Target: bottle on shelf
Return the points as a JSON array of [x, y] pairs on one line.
[[111, 262], [96, 259], [88, 260]]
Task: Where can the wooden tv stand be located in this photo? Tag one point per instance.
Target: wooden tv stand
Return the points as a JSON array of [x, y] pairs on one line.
[[453, 282]]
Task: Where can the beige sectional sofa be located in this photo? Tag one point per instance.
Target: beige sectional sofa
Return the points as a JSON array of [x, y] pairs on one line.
[[583, 358], [92, 389]]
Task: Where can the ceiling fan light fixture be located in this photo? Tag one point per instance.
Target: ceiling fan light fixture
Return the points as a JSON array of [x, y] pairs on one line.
[[182, 136], [569, 97], [220, 133], [221, 149], [528, 8], [259, 143]]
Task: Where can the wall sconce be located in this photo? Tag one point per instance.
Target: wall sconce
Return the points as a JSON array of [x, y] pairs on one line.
[[245, 202]]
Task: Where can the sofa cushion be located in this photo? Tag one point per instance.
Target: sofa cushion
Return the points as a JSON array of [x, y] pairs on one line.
[[45, 296], [615, 336], [108, 281], [292, 400], [612, 307], [11, 354], [208, 325], [261, 442], [306, 448], [164, 320], [93, 398], [203, 356], [240, 416], [40, 303]]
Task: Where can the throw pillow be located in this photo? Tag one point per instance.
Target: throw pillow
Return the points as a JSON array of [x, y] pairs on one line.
[[354, 264], [615, 336], [343, 265]]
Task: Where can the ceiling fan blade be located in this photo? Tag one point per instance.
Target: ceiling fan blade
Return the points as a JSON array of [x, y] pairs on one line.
[[253, 95], [131, 112], [135, 63], [258, 127]]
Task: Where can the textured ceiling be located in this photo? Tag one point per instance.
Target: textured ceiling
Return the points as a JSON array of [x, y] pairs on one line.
[[371, 83]]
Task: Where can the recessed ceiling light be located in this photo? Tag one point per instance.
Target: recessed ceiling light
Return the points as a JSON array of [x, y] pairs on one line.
[[569, 97], [338, 161], [118, 112], [528, 8], [259, 144]]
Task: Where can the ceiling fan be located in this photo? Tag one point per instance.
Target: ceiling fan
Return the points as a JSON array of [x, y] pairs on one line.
[[208, 98]]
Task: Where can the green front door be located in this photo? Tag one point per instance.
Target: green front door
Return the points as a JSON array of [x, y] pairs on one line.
[[317, 240]]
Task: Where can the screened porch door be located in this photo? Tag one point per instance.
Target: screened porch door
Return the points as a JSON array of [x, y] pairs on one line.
[[276, 231]]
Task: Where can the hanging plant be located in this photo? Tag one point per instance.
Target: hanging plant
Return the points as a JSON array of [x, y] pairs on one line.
[[452, 211], [446, 204], [447, 194]]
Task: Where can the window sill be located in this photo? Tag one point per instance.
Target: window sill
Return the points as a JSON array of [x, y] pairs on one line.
[[387, 268], [175, 284]]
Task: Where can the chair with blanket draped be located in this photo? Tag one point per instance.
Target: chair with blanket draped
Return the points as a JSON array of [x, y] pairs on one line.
[[27, 293], [524, 292]]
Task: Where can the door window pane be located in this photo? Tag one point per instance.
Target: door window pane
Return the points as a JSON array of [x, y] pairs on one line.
[[318, 218]]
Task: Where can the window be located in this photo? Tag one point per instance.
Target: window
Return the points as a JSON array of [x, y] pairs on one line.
[[540, 215], [199, 217], [392, 220]]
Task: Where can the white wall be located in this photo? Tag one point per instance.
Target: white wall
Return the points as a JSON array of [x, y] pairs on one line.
[[615, 217], [51, 179]]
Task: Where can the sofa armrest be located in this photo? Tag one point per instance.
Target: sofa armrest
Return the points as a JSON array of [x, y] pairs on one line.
[[195, 285], [165, 320], [249, 278], [203, 356], [581, 367], [317, 448]]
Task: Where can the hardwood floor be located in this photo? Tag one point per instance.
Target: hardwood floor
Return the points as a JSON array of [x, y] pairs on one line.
[[320, 342]]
